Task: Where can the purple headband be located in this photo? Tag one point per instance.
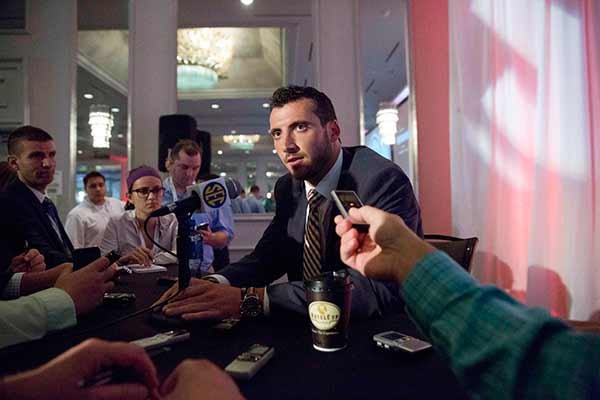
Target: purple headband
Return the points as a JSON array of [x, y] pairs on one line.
[[140, 172]]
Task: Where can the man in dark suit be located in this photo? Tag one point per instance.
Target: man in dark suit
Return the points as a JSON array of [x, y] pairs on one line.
[[31, 152], [301, 239]]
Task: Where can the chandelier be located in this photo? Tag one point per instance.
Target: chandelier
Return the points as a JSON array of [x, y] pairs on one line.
[[387, 121], [241, 142], [101, 122], [203, 56]]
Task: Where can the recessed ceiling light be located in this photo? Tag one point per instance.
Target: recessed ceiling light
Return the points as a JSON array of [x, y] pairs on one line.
[[246, 2], [265, 105], [233, 131], [215, 106], [115, 109], [88, 96], [223, 174], [79, 151], [220, 152], [120, 136], [247, 151], [274, 151]]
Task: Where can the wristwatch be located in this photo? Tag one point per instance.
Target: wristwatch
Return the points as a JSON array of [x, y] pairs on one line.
[[250, 307]]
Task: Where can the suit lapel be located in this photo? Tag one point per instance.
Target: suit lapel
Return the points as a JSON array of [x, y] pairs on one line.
[[41, 216], [332, 240]]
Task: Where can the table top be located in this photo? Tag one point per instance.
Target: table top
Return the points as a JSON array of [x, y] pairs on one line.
[[296, 370]]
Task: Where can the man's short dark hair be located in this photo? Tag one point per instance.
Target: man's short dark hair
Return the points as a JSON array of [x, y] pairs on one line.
[[254, 188], [24, 133], [288, 94], [90, 175], [190, 148]]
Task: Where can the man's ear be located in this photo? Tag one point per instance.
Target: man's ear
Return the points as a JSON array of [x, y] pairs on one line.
[[12, 162], [333, 130], [168, 164]]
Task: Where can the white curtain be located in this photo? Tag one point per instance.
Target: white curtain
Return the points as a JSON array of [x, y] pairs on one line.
[[525, 147]]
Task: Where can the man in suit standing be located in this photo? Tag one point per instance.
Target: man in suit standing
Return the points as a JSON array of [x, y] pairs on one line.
[[301, 239], [31, 152]]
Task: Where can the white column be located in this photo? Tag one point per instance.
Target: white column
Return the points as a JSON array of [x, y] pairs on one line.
[[337, 63], [152, 74], [261, 178], [51, 85]]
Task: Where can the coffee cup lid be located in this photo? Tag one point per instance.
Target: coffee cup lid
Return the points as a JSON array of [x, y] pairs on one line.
[[330, 280]]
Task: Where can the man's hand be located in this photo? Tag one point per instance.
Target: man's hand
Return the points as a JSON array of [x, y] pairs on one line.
[[199, 379], [88, 285], [30, 261], [62, 378], [139, 255], [214, 239], [388, 252], [203, 300]]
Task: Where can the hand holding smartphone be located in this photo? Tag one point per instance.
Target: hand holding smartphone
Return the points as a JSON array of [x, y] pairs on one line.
[[345, 200]]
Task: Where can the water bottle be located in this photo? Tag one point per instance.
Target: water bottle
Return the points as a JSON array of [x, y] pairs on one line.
[[196, 251]]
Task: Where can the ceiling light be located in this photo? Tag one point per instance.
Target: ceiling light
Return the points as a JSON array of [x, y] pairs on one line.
[[215, 106], [387, 121], [265, 105], [241, 142], [220, 152], [269, 174], [79, 151], [233, 131], [120, 136], [88, 96], [247, 151], [274, 151], [246, 2], [115, 109], [101, 122], [203, 56], [223, 174]]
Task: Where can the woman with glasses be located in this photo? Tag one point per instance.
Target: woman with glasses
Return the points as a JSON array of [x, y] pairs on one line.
[[125, 233]]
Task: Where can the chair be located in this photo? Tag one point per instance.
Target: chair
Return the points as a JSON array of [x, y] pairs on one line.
[[461, 250]]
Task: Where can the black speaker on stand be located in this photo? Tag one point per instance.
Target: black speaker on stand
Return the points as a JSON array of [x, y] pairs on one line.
[[171, 129]]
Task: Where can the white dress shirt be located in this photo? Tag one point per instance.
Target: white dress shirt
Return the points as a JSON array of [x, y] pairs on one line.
[[123, 235], [87, 222]]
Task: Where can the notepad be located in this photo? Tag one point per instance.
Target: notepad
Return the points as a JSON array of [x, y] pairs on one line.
[[141, 269]]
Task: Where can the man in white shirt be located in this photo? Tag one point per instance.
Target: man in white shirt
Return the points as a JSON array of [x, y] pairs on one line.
[[87, 222]]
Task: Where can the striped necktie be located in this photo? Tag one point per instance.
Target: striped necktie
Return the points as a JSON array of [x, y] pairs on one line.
[[312, 236]]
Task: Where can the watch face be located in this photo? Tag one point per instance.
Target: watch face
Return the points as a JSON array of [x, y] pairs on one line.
[[250, 306]]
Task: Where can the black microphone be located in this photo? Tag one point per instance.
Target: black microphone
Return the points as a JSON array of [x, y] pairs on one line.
[[179, 207]]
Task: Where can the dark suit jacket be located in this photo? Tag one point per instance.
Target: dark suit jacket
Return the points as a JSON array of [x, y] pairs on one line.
[[378, 182], [25, 219]]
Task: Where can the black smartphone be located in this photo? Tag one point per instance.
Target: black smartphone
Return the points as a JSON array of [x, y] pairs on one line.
[[85, 256], [345, 200]]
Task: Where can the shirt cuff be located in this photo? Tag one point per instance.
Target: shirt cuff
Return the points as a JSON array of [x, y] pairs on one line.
[[220, 278], [59, 307], [12, 290], [266, 303]]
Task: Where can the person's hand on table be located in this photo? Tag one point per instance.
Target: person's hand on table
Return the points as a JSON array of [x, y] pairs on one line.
[[203, 300], [29, 261], [88, 285], [140, 255], [63, 377], [388, 252], [199, 379]]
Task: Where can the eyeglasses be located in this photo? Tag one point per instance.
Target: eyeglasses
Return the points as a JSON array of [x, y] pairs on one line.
[[144, 192]]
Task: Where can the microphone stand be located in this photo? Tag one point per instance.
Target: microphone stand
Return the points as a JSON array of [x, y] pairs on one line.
[[184, 244]]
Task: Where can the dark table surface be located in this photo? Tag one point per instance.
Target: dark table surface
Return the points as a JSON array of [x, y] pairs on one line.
[[296, 371]]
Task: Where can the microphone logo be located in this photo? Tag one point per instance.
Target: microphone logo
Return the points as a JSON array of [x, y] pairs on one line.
[[214, 195]]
